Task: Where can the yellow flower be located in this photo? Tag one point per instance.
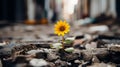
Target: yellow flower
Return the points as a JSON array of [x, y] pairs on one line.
[[61, 28]]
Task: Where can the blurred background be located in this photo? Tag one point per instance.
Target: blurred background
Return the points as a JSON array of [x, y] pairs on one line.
[[49, 11], [19, 16]]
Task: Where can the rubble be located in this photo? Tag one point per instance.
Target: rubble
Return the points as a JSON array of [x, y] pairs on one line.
[[115, 48], [38, 62], [81, 50]]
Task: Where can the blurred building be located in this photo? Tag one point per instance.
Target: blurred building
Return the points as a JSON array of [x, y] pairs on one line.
[[52, 10]]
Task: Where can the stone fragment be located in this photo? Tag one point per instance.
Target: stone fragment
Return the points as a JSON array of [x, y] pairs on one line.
[[87, 55], [51, 64], [3, 44], [77, 61], [38, 62], [60, 63], [88, 36], [115, 48], [92, 45], [95, 59], [5, 52], [19, 59], [85, 64], [34, 51], [52, 57], [41, 55], [67, 56], [101, 65], [78, 41]]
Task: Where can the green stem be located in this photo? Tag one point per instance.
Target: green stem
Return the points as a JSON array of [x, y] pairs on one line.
[[63, 41]]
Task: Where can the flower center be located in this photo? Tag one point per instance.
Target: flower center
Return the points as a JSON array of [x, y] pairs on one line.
[[62, 28]]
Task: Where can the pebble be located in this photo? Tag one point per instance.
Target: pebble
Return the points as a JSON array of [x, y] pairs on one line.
[[95, 59], [3, 44], [51, 64], [77, 61], [68, 56], [20, 59], [77, 51], [87, 55], [5, 52], [38, 62], [92, 45], [52, 57], [60, 63], [115, 48], [88, 36], [34, 51], [85, 64], [41, 55], [101, 65], [78, 41]]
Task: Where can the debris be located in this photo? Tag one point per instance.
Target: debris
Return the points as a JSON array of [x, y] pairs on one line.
[[38, 62]]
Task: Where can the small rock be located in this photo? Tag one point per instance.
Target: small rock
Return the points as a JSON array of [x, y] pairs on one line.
[[88, 36], [5, 52], [77, 61], [101, 65], [20, 59], [85, 64], [115, 48], [78, 41], [41, 55], [101, 53], [60, 63], [43, 45], [70, 57], [34, 51], [3, 44], [51, 64], [67, 56], [77, 51], [95, 59], [38, 62], [52, 57], [93, 45], [87, 55]]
